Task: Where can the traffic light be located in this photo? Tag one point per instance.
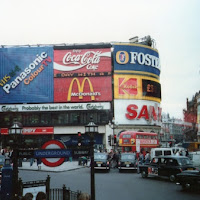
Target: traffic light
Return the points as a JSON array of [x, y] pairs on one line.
[[115, 138], [109, 140], [79, 139]]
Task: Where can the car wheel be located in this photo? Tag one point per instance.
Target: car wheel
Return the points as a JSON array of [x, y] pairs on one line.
[[172, 178], [144, 174]]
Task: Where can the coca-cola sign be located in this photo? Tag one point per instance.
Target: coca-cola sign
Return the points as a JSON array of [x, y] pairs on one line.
[[82, 60]]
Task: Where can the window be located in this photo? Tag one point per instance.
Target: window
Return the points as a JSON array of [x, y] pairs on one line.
[[46, 119], [126, 136], [158, 153], [167, 153]]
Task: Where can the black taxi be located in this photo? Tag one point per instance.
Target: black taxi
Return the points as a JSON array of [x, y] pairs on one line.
[[166, 166], [127, 161], [101, 161]]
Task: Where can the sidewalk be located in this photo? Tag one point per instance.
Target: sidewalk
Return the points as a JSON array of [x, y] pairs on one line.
[[66, 166]]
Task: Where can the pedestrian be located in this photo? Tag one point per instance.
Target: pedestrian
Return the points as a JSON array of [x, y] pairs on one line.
[[39, 162], [28, 196], [41, 196], [186, 152], [147, 157], [84, 196], [141, 158], [177, 153]]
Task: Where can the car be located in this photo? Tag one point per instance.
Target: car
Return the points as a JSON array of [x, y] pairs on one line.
[[127, 161], [166, 166], [101, 161], [189, 179]]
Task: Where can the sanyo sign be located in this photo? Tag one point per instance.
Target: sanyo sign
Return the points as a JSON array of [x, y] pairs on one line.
[[137, 112]]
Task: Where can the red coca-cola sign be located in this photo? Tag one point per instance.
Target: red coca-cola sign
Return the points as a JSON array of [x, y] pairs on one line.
[[82, 60]]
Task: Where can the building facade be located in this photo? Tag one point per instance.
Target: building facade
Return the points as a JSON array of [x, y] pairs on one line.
[[54, 90]]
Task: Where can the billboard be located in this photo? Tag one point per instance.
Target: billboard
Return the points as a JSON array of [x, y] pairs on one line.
[[22, 70], [136, 87], [83, 89], [32, 131], [137, 112], [82, 62], [54, 107], [136, 57]]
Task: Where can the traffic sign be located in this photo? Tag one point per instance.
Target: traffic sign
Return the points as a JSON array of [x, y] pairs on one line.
[[52, 153], [25, 153], [50, 147]]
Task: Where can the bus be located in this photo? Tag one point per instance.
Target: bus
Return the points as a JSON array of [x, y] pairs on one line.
[[192, 146], [131, 141]]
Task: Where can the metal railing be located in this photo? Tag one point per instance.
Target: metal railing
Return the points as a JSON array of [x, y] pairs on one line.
[[63, 194]]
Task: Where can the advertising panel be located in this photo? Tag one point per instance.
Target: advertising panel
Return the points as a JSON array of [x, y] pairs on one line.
[[32, 131], [137, 112], [82, 62], [54, 107], [136, 87], [136, 57], [22, 70], [83, 89]]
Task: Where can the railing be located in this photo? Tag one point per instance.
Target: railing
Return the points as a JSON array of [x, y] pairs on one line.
[[52, 193], [63, 194]]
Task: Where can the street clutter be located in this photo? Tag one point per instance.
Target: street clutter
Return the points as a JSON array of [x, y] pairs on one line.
[[66, 166]]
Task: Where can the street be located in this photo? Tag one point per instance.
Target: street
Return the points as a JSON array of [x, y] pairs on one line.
[[113, 185]]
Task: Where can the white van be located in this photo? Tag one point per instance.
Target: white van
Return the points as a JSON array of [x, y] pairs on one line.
[[195, 157], [161, 152]]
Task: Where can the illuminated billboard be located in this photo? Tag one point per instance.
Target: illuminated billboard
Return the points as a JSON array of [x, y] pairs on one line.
[[136, 87], [75, 62], [22, 71], [83, 89], [136, 57], [137, 112]]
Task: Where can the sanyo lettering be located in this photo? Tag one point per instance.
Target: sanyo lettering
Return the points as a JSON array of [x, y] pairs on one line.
[[43, 58]]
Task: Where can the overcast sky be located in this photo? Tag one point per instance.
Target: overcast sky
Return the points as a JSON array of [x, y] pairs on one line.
[[174, 24]]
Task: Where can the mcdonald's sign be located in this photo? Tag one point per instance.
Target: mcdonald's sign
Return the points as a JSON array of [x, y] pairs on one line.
[[81, 93], [83, 89]]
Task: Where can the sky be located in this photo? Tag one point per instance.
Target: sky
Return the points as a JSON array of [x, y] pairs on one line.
[[173, 24]]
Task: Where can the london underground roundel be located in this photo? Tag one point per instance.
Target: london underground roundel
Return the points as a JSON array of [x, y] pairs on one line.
[[53, 144]]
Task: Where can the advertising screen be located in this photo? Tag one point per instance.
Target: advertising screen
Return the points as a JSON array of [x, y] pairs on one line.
[[136, 57], [137, 112], [26, 75], [82, 62], [136, 87], [83, 89]]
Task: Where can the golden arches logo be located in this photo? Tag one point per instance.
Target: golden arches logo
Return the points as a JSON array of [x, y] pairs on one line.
[[80, 88]]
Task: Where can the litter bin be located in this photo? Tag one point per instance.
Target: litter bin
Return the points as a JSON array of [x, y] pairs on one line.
[[70, 159]]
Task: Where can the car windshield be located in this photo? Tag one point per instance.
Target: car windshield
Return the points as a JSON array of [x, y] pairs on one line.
[[184, 161], [100, 156], [127, 157]]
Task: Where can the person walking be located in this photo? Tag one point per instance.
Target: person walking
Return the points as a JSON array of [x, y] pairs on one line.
[[41, 196]]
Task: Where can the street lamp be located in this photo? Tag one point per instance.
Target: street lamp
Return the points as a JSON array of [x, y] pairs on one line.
[[15, 135], [91, 129]]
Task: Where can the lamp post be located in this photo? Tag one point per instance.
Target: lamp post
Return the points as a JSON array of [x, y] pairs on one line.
[[15, 133], [91, 129]]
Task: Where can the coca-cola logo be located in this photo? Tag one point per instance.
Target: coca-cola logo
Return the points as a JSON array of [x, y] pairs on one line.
[[74, 60]]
